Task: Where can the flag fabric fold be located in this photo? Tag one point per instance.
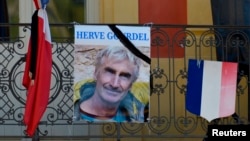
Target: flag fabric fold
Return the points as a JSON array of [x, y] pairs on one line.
[[211, 88], [38, 69]]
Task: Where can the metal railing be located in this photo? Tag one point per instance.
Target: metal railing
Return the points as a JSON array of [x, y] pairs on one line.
[[172, 46]]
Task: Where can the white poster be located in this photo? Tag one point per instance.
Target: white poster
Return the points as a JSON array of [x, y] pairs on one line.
[[111, 83]]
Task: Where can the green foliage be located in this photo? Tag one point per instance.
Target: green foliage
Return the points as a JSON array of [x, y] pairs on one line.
[[65, 11], [59, 12]]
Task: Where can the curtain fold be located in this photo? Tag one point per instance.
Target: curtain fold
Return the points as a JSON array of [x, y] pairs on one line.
[[4, 31]]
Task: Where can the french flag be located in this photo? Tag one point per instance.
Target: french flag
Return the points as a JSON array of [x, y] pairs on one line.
[[211, 88], [38, 70]]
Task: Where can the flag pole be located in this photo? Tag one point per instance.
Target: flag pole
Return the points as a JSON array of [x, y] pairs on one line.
[[36, 135]]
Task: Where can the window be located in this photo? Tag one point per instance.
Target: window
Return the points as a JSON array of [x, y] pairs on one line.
[[59, 12]]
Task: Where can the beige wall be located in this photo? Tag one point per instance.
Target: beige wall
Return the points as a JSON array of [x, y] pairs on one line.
[[118, 11], [199, 12]]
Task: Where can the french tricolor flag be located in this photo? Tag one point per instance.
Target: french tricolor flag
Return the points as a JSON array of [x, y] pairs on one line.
[[211, 88], [38, 68]]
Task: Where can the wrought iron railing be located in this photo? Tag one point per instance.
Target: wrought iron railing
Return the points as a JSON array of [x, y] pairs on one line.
[[173, 46]]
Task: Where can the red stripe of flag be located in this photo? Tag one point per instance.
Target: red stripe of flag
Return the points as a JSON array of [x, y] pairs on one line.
[[37, 3], [228, 90]]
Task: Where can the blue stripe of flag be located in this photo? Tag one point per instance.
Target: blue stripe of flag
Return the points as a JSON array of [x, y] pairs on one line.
[[194, 86]]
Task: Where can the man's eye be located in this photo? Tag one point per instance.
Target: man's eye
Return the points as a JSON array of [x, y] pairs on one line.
[[125, 75], [110, 70]]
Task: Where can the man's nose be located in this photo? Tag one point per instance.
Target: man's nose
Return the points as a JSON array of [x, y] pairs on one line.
[[115, 81]]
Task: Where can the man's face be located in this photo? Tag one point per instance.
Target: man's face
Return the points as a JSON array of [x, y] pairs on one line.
[[114, 78]]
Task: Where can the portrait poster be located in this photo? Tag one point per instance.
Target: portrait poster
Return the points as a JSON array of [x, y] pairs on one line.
[[111, 82]]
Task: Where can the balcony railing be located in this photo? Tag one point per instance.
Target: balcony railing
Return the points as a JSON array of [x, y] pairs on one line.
[[172, 46]]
